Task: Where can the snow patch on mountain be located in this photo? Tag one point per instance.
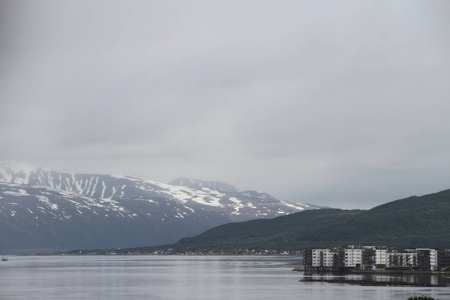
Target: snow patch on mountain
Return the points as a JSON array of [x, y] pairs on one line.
[[198, 184], [17, 192]]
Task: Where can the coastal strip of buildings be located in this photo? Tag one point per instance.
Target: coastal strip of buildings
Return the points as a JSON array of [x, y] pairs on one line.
[[357, 257]]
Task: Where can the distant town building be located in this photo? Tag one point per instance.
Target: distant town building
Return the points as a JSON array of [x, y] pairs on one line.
[[381, 257], [443, 259], [376, 257], [319, 257], [400, 260], [352, 256], [427, 259]]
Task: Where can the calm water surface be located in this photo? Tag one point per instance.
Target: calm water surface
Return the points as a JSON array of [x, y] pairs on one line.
[[178, 277]]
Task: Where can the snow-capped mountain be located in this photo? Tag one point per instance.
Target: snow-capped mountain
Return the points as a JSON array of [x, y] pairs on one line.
[[49, 210]]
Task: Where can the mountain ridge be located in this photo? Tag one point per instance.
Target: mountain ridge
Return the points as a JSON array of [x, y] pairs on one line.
[[167, 212]]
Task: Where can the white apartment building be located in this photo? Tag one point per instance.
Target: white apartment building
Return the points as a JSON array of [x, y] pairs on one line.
[[352, 257], [434, 259], [328, 258], [381, 256], [322, 258]]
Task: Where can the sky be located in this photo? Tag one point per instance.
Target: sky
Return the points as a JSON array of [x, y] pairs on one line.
[[337, 103]]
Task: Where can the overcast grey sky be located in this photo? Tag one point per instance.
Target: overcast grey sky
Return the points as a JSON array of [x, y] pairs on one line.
[[339, 103]]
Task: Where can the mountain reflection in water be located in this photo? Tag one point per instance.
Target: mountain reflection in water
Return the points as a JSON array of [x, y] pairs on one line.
[[183, 278]]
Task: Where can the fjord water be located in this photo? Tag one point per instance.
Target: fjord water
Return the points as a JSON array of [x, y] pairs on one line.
[[178, 277]]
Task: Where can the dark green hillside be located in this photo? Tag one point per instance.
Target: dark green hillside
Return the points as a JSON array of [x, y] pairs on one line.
[[412, 222], [287, 232]]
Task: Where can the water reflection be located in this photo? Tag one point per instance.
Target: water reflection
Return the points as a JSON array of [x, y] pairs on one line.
[[184, 278], [422, 280]]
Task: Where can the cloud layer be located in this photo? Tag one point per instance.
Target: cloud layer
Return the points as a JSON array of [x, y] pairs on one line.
[[336, 103]]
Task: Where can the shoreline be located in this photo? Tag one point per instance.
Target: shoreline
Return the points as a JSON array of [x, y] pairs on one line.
[[373, 283], [379, 272]]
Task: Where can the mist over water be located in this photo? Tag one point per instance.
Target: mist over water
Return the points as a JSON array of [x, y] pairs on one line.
[[178, 277]]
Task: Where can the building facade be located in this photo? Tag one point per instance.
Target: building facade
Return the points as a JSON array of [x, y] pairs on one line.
[[427, 259], [443, 259], [377, 257]]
